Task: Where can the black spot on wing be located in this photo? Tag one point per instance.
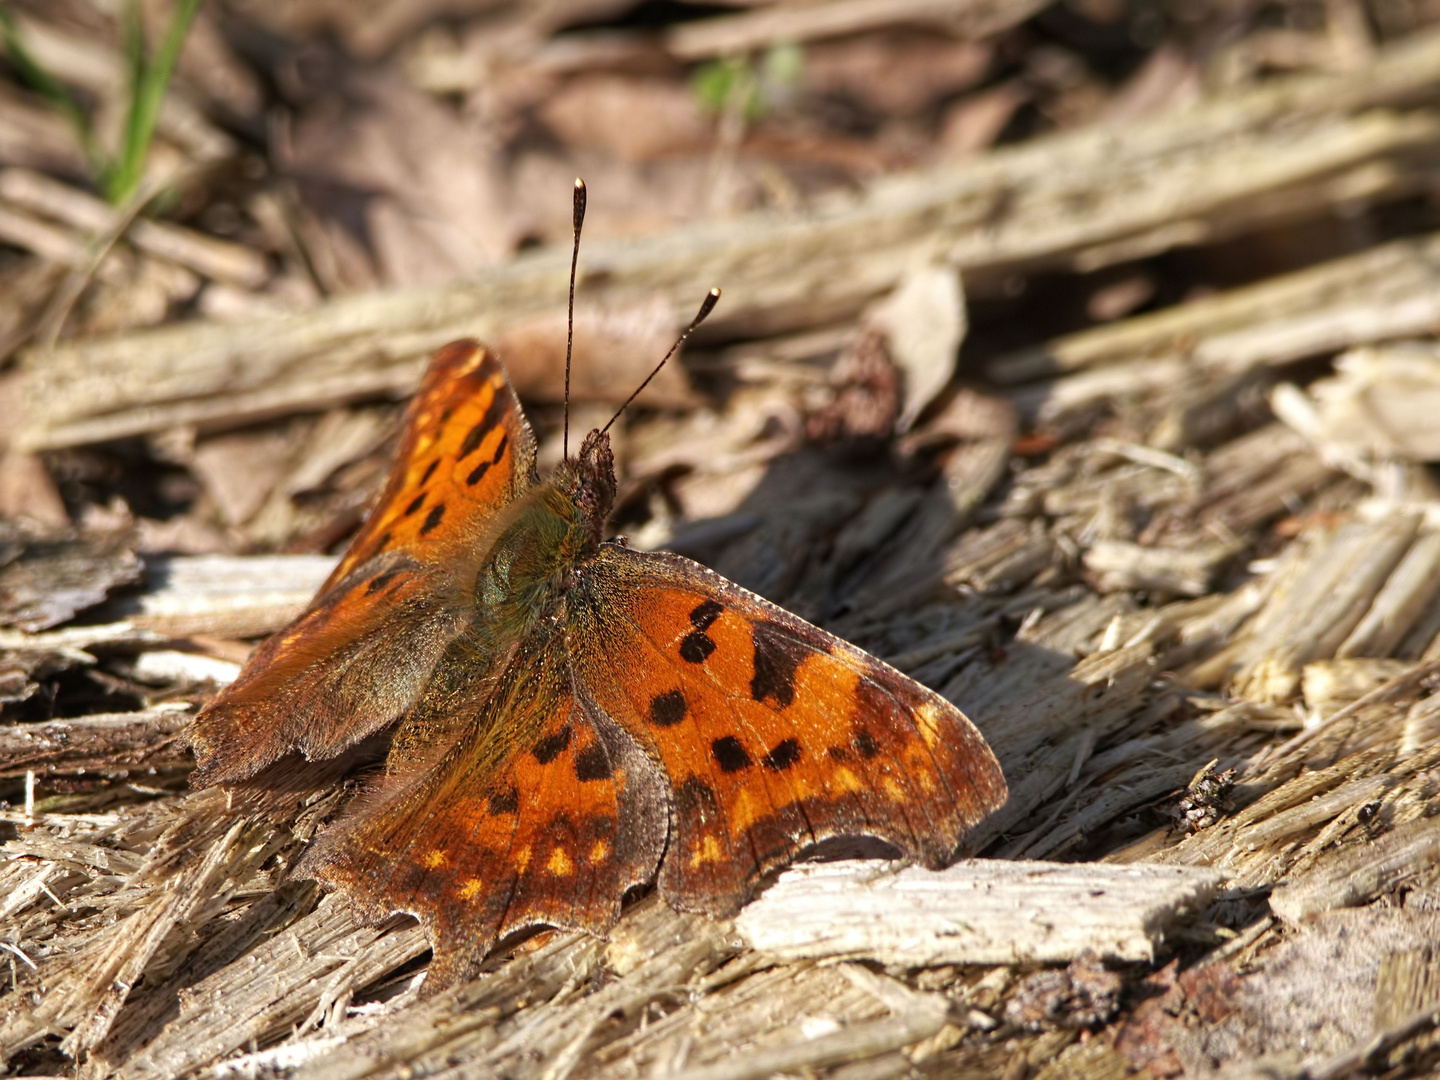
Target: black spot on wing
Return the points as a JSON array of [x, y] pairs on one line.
[[592, 763], [729, 754], [777, 657], [695, 647], [782, 755], [500, 448], [505, 802], [552, 746], [432, 519], [415, 504], [429, 472], [483, 426], [865, 744], [705, 614], [382, 541], [668, 709], [696, 799], [379, 581], [477, 474]]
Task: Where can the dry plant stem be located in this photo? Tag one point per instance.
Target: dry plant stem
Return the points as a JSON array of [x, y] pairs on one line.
[[218, 259], [742, 33], [1396, 687], [1383, 292], [67, 295], [1011, 210]]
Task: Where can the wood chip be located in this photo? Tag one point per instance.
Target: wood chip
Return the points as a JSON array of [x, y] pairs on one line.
[[976, 912]]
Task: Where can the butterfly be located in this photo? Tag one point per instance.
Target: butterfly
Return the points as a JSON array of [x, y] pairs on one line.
[[569, 718]]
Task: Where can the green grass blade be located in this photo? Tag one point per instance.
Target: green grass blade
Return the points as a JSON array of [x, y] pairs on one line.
[[148, 83]]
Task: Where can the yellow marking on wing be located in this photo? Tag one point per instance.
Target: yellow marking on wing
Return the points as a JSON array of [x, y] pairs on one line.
[[706, 851], [600, 852], [522, 858], [893, 788], [743, 814], [436, 858], [560, 864], [470, 889], [846, 780], [927, 719]]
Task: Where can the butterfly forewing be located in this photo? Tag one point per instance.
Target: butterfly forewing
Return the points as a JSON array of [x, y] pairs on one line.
[[540, 812], [774, 734], [466, 451], [363, 651]]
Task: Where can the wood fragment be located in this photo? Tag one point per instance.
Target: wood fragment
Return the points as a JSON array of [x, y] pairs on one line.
[[101, 743], [976, 912], [223, 595], [1357, 874]]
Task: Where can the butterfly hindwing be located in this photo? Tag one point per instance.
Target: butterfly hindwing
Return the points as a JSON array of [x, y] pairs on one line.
[[774, 734], [363, 651], [539, 812], [346, 668]]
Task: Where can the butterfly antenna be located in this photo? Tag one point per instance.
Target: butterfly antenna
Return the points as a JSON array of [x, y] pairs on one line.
[[706, 306], [579, 219]]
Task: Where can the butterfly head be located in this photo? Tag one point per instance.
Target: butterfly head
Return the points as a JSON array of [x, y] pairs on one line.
[[589, 481]]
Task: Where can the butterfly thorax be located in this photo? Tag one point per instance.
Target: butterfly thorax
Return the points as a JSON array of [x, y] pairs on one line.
[[550, 531]]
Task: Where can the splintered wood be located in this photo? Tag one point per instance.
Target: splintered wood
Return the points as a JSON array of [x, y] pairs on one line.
[[1181, 568], [975, 912]]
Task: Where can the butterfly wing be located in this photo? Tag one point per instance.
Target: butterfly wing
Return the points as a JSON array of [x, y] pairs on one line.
[[466, 450], [363, 651], [774, 734], [540, 811]]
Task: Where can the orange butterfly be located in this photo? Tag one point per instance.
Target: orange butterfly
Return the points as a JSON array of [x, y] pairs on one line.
[[572, 718]]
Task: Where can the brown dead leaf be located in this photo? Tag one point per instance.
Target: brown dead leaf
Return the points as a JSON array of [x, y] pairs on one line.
[[184, 535], [975, 121], [861, 416], [26, 489], [1168, 79], [421, 182], [624, 200], [241, 469], [367, 27], [896, 73], [614, 350], [634, 119], [924, 322]]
